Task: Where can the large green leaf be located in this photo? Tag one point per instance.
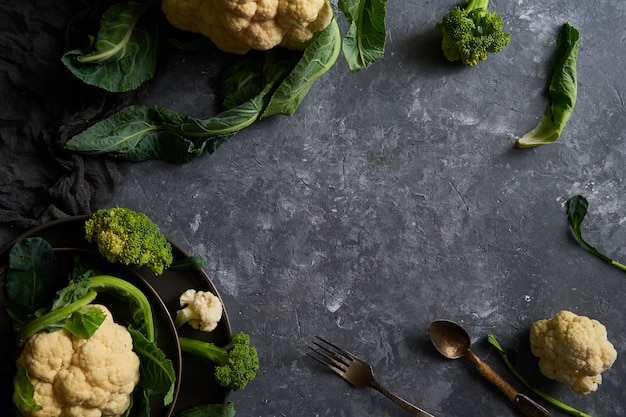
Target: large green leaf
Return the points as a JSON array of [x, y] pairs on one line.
[[365, 41], [156, 372], [124, 53], [317, 59], [563, 91], [32, 278], [142, 132]]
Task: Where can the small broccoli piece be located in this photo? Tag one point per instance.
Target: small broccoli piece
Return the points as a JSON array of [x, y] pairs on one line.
[[236, 363], [470, 32], [129, 237]]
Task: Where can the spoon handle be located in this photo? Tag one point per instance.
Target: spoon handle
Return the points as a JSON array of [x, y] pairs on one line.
[[488, 373], [526, 405]]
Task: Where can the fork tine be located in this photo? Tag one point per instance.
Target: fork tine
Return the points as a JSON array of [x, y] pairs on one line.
[[328, 362], [335, 349], [328, 357]]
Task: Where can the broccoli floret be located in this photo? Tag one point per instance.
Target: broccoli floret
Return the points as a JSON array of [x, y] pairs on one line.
[[129, 237], [470, 32], [236, 363]]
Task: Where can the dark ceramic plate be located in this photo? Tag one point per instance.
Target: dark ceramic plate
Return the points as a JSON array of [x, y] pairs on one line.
[[196, 384]]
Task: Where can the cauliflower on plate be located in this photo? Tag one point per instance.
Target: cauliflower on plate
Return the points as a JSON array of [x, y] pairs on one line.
[[201, 309], [92, 377]]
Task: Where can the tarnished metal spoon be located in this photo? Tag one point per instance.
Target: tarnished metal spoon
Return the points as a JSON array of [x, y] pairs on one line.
[[453, 342]]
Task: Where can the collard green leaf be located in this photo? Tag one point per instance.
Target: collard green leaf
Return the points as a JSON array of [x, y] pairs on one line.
[[156, 372], [317, 59], [564, 87], [563, 91], [124, 53], [577, 207], [32, 278], [142, 132], [365, 41]]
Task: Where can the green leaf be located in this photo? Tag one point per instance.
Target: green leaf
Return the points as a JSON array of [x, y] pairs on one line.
[[577, 207], [84, 322], [24, 391], [32, 278], [563, 91], [210, 410], [156, 372], [319, 56], [124, 53], [142, 132], [365, 41]]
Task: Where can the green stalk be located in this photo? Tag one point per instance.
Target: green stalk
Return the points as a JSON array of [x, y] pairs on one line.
[[204, 349], [49, 319], [506, 357], [108, 282], [97, 284]]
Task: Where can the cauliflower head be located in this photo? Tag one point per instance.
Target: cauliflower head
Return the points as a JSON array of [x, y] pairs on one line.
[[201, 309], [237, 26], [573, 350], [82, 377]]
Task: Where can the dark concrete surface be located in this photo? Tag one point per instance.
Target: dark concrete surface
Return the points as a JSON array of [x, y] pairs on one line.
[[394, 197]]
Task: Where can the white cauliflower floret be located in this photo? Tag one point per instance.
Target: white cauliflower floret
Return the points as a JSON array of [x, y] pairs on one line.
[[201, 309], [240, 25], [573, 350], [82, 377]]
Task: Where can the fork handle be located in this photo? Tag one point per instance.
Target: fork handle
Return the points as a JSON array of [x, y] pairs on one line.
[[413, 410]]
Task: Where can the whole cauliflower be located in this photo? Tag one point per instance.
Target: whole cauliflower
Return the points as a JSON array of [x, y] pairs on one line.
[[82, 377], [201, 309], [573, 350], [238, 26]]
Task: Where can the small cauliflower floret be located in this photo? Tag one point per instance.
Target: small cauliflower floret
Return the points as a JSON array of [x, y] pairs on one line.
[[238, 26], [573, 350], [82, 377], [201, 309]]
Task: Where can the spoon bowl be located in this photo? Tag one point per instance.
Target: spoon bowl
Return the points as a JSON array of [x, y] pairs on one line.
[[450, 339], [453, 342]]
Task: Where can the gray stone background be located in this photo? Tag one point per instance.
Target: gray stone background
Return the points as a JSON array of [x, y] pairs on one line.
[[394, 197]]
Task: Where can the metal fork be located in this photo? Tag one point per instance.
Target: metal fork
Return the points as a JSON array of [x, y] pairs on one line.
[[356, 371]]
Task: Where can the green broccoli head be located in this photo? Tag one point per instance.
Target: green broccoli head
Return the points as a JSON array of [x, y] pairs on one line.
[[236, 364], [240, 365], [469, 33], [130, 238]]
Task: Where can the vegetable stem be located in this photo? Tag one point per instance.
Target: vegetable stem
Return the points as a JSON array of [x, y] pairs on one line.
[[508, 361], [107, 282], [49, 319], [577, 207]]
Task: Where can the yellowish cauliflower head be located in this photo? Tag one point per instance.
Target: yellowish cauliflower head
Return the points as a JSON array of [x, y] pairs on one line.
[[238, 26], [573, 350], [82, 377]]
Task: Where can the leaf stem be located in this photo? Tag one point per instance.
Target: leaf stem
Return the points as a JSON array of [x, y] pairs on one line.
[[508, 361]]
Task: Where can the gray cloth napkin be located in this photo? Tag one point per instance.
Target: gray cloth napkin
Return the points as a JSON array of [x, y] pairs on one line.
[[41, 106]]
